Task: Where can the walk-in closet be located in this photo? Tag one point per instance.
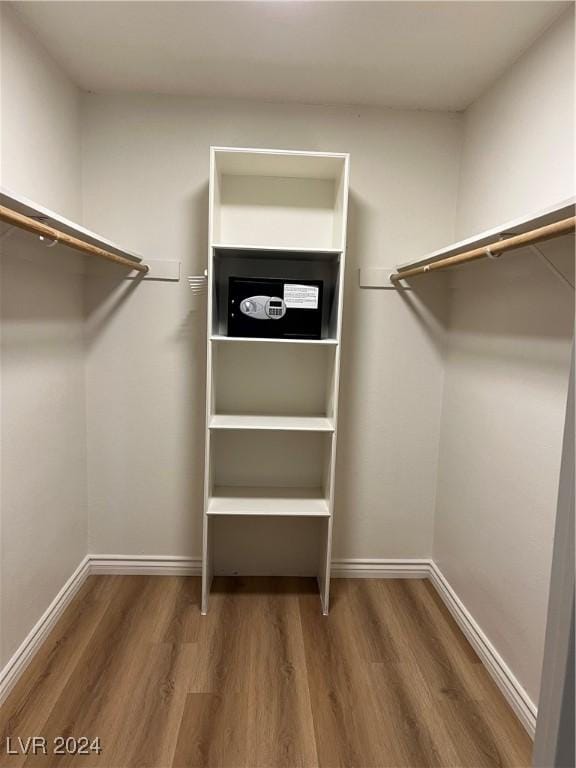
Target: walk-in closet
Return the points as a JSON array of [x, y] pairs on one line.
[[287, 384]]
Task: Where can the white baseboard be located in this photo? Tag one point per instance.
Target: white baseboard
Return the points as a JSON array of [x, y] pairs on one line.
[[40, 631], [514, 693], [371, 568], [169, 565], [145, 565], [381, 568]]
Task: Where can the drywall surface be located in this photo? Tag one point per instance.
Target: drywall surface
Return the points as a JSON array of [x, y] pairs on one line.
[[518, 152], [42, 407], [502, 421], [508, 360], [145, 172], [40, 130]]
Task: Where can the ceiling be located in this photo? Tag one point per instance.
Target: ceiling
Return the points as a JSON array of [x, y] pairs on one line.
[[415, 55]]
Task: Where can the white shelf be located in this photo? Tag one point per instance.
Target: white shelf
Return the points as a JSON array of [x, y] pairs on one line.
[[541, 218], [269, 502], [50, 218], [281, 250], [276, 423], [248, 161], [327, 342]]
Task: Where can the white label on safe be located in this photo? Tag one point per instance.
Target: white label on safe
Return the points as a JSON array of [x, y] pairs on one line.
[[301, 296]]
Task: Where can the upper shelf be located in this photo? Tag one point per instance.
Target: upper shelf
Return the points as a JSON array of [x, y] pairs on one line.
[[286, 163], [271, 251], [72, 232], [554, 213]]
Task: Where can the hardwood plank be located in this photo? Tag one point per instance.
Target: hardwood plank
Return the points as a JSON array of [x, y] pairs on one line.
[[378, 637], [418, 735], [224, 639], [451, 669], [460, 686], [262, 652], [285, 734], [263, 681], [407, 703], [183, 625], [150, 722], [509, 734], [98, 694], [31, 702], [472, 736], [213, 732], [347, 726]]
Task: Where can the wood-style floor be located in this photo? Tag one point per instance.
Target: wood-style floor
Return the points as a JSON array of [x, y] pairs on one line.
[[264, 680]]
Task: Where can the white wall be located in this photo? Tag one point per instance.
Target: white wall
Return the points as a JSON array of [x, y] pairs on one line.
[[518, 153], [145, 176], [40, 128], [508, 359], [42, 407]]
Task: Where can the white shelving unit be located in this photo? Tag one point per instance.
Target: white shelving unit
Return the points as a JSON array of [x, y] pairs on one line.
[[272, 404]]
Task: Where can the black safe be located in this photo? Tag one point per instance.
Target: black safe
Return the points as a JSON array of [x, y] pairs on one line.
[[275, 308]]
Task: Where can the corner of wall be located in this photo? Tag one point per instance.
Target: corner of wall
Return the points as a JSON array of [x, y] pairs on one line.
[[515, 160], [518, 151], [42, 398]]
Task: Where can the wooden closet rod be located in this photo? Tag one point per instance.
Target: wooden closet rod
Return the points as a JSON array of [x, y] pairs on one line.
[[38, 228], [547, 232]]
